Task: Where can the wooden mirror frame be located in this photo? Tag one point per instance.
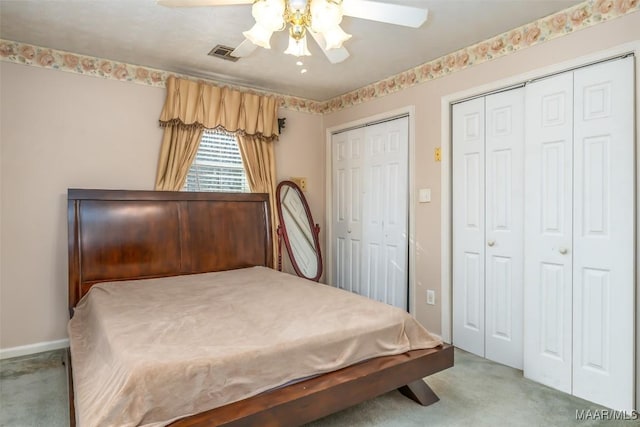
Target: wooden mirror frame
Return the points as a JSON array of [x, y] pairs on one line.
[[282, 232]]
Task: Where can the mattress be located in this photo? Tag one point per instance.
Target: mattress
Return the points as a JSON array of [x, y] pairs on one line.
[[147, 352]]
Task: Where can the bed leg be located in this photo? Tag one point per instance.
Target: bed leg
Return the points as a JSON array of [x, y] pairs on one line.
[[419, 392], [72, 411]]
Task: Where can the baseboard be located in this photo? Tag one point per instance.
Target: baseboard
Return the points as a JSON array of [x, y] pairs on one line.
[[25, 350]]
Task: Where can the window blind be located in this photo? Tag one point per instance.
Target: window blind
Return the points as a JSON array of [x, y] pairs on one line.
[[218, 165]]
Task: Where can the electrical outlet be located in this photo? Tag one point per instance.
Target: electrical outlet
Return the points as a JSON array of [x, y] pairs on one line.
[[431, 297], [300, 182]]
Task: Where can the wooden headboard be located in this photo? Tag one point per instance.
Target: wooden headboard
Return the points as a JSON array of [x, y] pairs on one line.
[[122, 235]]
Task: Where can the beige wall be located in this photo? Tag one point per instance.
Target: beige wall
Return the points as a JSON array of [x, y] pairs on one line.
[[61, 130], [300, 153], [427, 101]]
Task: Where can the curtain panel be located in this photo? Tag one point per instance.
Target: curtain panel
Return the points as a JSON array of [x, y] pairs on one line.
[[259, 161], [177, 153]]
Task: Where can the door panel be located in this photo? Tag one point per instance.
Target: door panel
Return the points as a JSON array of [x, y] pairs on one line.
[[471, 291], [553, 287], [548, 231], [504, 179], [469, 226], [603, 264], [396, 216], [385, 211], [347, 211]]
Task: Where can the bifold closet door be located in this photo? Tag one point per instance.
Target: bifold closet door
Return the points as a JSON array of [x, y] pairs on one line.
[[487, 226], [548, 231], [385, 212], [468, 225], [347, 150], [504, 182], [603, 234], [580, 233], [370, 211]]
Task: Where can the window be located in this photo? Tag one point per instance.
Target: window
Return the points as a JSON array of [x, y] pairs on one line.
[[218, 165]]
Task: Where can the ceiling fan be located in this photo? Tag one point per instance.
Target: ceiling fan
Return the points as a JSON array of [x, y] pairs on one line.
[[320, 18]]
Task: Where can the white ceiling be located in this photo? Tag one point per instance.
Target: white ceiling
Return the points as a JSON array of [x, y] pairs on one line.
[[178, 39]]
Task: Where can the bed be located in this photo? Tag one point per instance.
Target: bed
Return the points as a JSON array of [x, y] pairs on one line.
[[144, 240]]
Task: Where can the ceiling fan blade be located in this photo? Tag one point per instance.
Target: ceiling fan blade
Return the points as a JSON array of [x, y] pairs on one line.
[[335, 56], [407, 16], [244, 49], [199, 3]]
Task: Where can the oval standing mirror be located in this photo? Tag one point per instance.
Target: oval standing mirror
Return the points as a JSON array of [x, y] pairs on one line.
[[298, 231]]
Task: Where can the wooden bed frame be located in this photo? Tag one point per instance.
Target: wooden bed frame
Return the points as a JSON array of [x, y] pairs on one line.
[[124, 235]]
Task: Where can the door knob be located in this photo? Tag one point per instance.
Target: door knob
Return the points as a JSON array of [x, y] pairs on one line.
[[491, 242], [563, 251], [349, 231]]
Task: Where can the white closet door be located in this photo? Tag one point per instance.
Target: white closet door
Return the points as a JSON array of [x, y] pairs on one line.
[[468, 225], [548, 231], [370, 211], [385, 208], [348, 150], [504, 227], [603, 267]]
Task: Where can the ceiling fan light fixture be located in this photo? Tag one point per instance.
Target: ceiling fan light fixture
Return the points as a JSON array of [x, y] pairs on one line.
[[334, 37], [259, 35], [298, 47], [269, 14], [320, 18], [297, 5], [325, 14]]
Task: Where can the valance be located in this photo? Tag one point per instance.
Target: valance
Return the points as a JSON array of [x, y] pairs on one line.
[[202, 105]]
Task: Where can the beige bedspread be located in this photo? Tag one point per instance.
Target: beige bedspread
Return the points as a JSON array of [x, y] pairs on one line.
[[150, 351]]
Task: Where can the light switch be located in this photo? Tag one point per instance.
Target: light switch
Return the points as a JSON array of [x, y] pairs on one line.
[[431, 297], [424, 195]]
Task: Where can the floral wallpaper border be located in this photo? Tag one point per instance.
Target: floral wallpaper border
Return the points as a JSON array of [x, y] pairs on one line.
[[582, 15], [27, 54]]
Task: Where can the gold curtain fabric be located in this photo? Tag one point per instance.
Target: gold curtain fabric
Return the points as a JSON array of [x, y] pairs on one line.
[[178, 150], [258, 156], [199, 104]]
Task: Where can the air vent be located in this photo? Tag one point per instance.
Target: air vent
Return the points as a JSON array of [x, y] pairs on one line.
[[223, 52]]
